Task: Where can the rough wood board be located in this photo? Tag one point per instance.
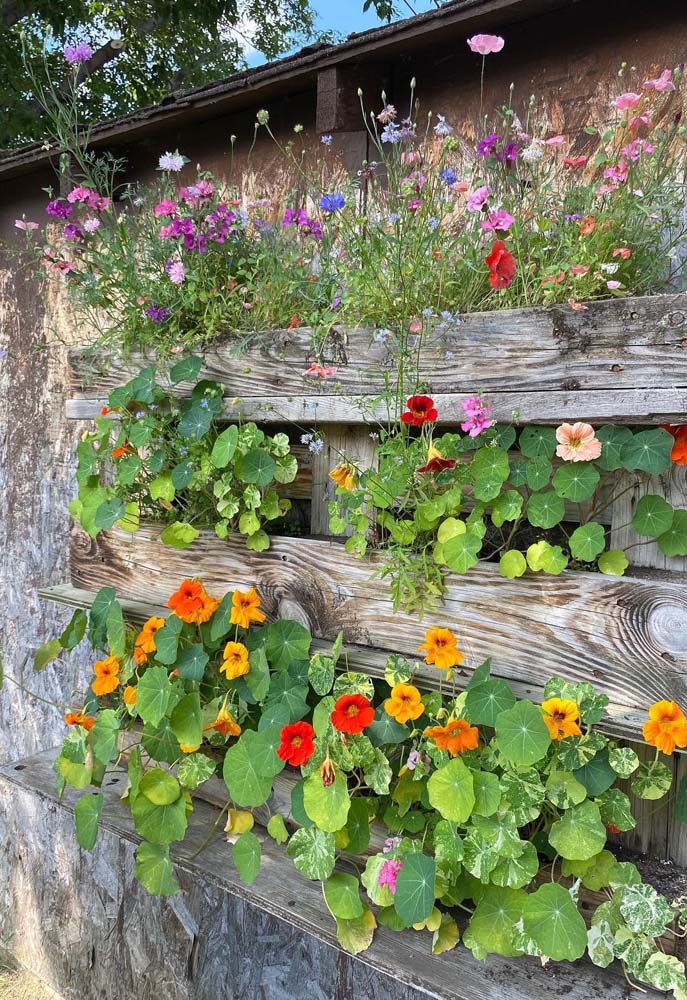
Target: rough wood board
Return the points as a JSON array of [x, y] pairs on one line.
[[210, 930], [626, 636], [546, 365], [620, 720]]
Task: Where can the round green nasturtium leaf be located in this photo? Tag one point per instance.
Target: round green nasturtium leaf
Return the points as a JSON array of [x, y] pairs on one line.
[[613, 440], [652, 516], [154, 691], [159, 824], [86, 817], [576, 481], [493, 926], [415, 889], [649, 451], [195, 422], [356, 935], [357, 829], [342, 896], [487, 793], [564, 790], [451, 791], [512, 564], [538, 472], [327, 805], [179, 535], [256, 467], [516, 873], [154, 870], [545, 510], [588, 541], [159, 787], [460, 551], [623, 760], [312, 852], [446, 936], [484, 702], [162, 487], [276, 828], [521, 734], [597, 775], [186, 370], [537, 441], [246, 854], [554, 923], [186, 720], [224, 447], [506, 507], [652, 780], [251, 765], [579, 833], [673, 542], [613, 563]]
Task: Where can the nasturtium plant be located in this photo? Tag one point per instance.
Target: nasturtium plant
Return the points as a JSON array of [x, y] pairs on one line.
[[156, 455], [470, 815]]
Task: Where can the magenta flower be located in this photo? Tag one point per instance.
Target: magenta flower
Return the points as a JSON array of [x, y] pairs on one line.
[[626, 101], [500, 219], [660, 83], [478, 413], [59, 208], [478, 198], [484, 45], [158, 314], [76, 54], [26, 226], [165, 207], [388, 874], [486, 146], [91, 225]]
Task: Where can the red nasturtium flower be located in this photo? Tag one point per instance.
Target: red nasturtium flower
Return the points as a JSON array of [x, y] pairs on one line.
[[679, 450], [297, 745], [421, 410], [501, 264], [352, 713], [436, 461]]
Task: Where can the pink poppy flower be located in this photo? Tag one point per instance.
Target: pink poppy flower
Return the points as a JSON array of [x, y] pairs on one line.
[[320, 371], [576, 162], [577, 306], [626, 101], [614, 285], [500, 219], [484, 45], [577, 442], [460, 187], [660, 83], [556, 140], [579, 269], [478, 198], [24, 225], [624, 252], [415, 326], [639, 120]]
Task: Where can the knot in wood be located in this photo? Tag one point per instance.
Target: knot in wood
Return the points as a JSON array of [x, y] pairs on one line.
[[674, 319], [570, 384]]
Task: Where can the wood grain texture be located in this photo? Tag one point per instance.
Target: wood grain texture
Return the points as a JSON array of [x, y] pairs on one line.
[[544, 365], [273, 940], [630, 488], [626, 636]]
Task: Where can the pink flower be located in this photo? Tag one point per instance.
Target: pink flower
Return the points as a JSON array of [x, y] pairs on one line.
[[26, 226], [91, 225], [660, 83], [626, 101], [411, 158], [624, 252], [320, 371], [576, 162], [478, 413], [460, 187], [556, 140], [577, 443], [500, 219], [387, 114], [618, 172], [478, 198], [639, 120], [415, 326], [165, 207], [484, 45], [577, 306], [176, 271], [635, 148], [613, 285], [414, 204], [579, 269], [388, 874]]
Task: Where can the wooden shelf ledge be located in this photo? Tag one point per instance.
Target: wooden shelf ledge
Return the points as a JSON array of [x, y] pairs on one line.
[[620, 721], [241, 938]]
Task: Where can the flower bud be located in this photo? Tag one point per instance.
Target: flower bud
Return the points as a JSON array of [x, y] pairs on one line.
[[328, 773]]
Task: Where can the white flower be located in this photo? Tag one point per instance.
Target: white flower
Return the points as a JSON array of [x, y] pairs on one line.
[[173, 162], [533, 152], [442, 127], [609, 268]]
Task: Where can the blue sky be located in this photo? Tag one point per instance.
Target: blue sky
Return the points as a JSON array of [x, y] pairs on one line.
[[347, 15]]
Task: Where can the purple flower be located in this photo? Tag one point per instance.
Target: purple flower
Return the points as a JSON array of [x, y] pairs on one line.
[[486, 146], [90, 225], [573, 217], [335, 303], [158, 314], [326, 140], [303, 221], [75, 54], [73, 231], [478, 413], [332, 202], [176, 272], [413, 760], [509, 153], [390, 844], [59, 208], [388, 874]]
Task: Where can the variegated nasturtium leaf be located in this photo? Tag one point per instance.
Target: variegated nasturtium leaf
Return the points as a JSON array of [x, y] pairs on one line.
[[564, 790], [327, 805], [652, 780], [480, 854], [545, 510], [673, 542], [616, 810], [312, 852], [154, 870], [553, 921], [321, 674], [246, 856], [415, 888], [524, 793], [378, 776], [448, 849], [588, 541], [600, 944], [613, 563], [356, 935], [623, 760], [652, 516], [521, 734], [381, 895], [517, 872], [576, 481], [493, 925], [451, 791], [512, 564], [486, 701], [579, 833], [665, 972], [342, 896], [645, 910]]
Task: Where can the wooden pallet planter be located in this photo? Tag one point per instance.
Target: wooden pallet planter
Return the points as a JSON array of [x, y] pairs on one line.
[[620, 361]]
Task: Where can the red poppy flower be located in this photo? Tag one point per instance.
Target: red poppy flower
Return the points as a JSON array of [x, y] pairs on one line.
[[501, 263], [352, 713], [421, 410], [297, 745]]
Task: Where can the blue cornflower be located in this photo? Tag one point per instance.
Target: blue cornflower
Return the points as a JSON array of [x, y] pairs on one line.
[[433, 223], [326, 140], [332, 202], [449, 175]]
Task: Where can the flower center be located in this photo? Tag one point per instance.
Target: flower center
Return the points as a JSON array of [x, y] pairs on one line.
[[352, 711], [296, 741]]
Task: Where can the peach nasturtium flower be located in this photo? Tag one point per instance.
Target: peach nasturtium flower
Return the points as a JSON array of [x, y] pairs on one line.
[[456, 736], [245, 608], [666, 727], [145, 640], [345, 477], [106, 675], [235, 661], [192, 604], [405, 703], [577, 442], [441, 648], [225, 723], [561, 717]]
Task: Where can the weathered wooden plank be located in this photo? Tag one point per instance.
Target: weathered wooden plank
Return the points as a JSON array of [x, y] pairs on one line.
[[352, 443], [620, 720], [218, 929], [630, 488], [626, 636], [547, 365]]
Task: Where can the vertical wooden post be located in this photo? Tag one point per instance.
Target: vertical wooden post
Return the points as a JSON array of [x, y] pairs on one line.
[[353, 444]]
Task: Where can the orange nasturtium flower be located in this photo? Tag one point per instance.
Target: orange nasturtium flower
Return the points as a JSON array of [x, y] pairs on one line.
[[666, 727], [561, 717], [405, 703], [441, 648], [225, 723], [192, 604], [456, 736], [235, 661], [130, 694], [145, 640], [345, 477], [106, 675], [245, 608], [80, 719], [187, 748]]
